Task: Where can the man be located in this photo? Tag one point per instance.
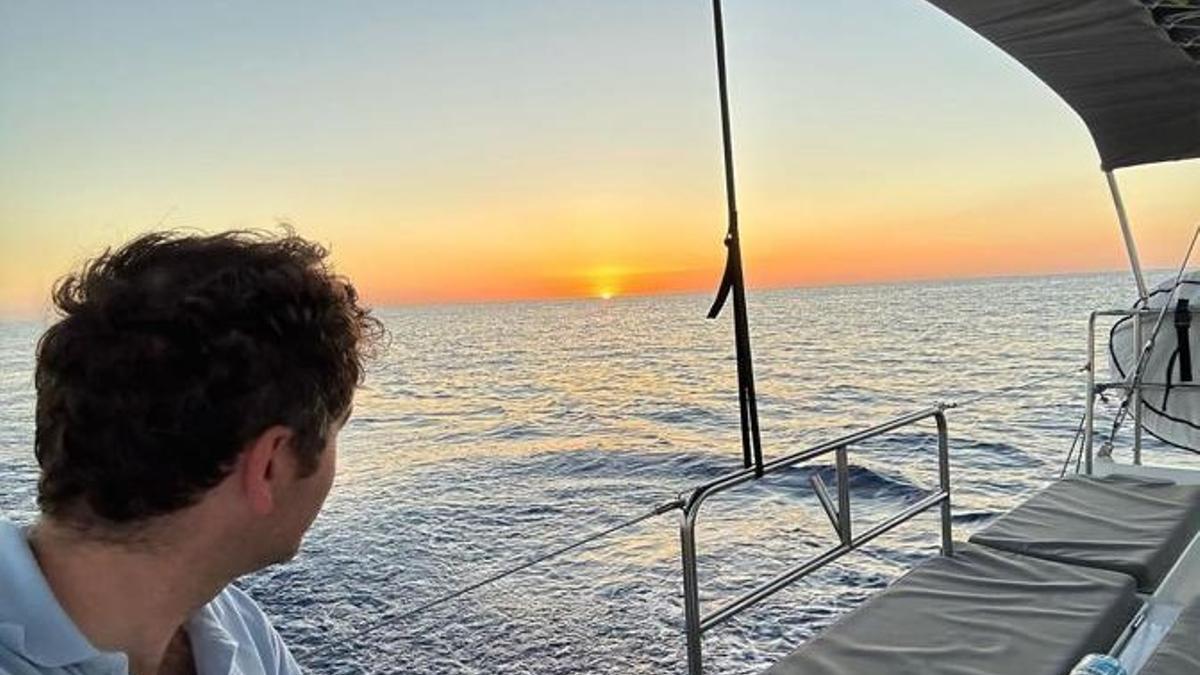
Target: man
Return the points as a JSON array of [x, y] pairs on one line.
[[188, 406]]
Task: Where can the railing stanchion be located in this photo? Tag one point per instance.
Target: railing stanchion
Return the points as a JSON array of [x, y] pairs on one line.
[[1089, 413], [691, 589], [843, 479], [944, 481], [1136, 394]]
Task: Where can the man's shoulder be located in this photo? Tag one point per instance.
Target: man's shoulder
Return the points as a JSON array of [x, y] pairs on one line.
[[235, 605], [240, 620]]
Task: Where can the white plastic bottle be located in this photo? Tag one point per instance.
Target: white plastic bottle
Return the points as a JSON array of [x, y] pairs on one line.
[[1098, 664]]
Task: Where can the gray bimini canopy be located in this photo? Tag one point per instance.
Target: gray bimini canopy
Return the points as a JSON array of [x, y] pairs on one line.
[[1129, 68]]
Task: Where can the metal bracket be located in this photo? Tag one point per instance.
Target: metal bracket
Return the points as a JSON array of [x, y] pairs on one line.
[[826, 503], [839, 516]]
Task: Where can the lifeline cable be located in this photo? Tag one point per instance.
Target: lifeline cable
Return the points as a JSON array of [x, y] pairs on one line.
[[1071, 452], [1021, 385], [659, 510]]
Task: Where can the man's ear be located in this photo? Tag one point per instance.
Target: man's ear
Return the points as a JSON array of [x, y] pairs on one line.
[[261, 467]]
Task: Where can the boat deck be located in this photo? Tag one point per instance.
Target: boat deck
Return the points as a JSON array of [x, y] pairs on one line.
[[1178, 590], [1102, 563]]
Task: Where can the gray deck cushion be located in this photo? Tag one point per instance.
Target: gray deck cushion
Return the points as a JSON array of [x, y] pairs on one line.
[[981, 612], [1118, 523], [1179, 652]]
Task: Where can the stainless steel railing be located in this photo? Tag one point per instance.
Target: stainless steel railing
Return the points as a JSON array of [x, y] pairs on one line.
[[698, 623], [1133, 388]]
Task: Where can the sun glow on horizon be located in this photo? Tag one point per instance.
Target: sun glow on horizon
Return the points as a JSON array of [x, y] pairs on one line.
[[606, 281]]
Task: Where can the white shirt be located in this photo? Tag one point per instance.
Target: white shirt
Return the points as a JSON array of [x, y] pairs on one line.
[[229, 636]]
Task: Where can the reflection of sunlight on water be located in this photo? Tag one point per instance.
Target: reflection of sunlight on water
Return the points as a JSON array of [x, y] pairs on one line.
[[488, 434], [642, 548]]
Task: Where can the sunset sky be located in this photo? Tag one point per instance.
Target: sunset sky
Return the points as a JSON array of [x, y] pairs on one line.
[[496, 149]]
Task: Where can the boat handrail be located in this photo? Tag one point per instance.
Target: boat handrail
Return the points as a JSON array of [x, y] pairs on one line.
[[697, 623]]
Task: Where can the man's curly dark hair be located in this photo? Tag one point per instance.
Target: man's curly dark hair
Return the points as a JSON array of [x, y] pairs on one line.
[[173, 352]]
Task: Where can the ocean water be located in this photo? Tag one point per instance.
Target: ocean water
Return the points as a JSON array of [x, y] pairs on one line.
[[490, 433]]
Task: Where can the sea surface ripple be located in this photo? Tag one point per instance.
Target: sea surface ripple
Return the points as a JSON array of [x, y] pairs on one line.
[[490, 433]]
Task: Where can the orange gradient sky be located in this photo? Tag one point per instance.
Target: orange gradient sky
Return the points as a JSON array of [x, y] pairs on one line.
[[476, 150]]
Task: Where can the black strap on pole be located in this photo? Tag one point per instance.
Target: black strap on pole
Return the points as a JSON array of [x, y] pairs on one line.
[[1183, 322], [733, 279]]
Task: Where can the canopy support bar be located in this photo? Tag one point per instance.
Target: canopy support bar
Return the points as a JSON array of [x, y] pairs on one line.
[[1127, 233], [733, 279]]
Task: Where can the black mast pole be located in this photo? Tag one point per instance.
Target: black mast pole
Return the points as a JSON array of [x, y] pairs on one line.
[[732, 280]]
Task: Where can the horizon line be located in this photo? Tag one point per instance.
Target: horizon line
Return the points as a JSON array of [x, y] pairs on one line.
[[758, 287], [22, 316], [27, 316]]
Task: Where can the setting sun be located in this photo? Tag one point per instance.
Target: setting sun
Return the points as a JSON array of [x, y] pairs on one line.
[[606, 280]]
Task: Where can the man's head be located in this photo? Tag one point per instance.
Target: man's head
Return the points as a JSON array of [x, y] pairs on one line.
[[190, 366]]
